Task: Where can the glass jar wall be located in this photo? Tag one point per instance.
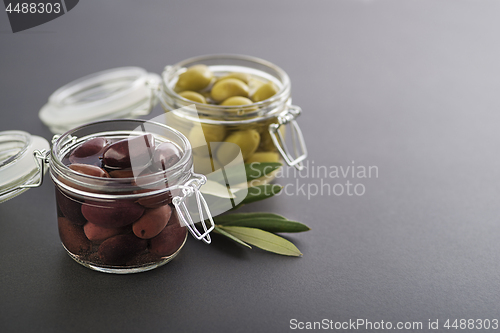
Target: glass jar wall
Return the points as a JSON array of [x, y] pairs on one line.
[[125, 222]]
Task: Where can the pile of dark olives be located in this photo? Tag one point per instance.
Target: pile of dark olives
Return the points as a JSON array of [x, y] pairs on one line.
[[199, 84], [120, 232]]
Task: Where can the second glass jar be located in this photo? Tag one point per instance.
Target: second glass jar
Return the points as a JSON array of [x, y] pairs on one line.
[[257, 128]]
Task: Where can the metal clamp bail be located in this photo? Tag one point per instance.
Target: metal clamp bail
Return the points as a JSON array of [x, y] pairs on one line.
[[70, 140], [298, 142], [41, 158], [193, 187]]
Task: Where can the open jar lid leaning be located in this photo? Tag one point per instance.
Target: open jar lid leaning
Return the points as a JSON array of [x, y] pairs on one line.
[[20, 168], [125, 92]]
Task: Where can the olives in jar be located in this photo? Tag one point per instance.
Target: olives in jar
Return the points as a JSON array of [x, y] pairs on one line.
[[246, 93], [70, 208], [152, 222], [231, 89], [170, 239], [89, 152], [195, 84], [262, 157], [200, 135], [96, 233], [165, 156], [89, 169], [193, 96], [119, 249], [265, 91], [226, 88], [245, 77], [247, 141], [195, 78], [112, 214], [236, 100], [73, 237], [120, 155], [205, 164], [115, 231]]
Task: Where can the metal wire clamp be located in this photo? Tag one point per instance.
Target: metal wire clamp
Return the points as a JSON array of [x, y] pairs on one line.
[[193, 187], [298, 142]]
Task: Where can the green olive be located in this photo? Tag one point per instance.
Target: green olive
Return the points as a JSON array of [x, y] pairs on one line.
[[195, 78], [203, 164], [254, 84], [237, 100], [266, 142], [226, 88], [214, 133], [240, 76], [206, 95], [247, 140], [200, 135], [265, 91], [264, 156], [193, 96]]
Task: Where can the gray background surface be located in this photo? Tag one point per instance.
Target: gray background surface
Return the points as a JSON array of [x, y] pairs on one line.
[[408, 86]]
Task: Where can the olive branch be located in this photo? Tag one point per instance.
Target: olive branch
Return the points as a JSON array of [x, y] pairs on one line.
[[259, 229]]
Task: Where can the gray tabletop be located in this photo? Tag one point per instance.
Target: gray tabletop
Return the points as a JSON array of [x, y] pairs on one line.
[[409, 88]]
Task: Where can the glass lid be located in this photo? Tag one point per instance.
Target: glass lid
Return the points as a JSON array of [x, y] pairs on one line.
[[125, 92], [19, 168]]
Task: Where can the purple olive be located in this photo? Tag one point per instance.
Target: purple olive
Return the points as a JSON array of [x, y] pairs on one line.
[[88, 169], [96, 233], [89, 152], [133, 152], [91, 147], [129, 173], [125, 173], [152, 222], [170, 239], [71, 208], [72, 237], [166, 155], [119, 249], [112, 214]]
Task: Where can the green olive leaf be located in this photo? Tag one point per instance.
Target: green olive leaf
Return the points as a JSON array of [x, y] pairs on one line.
[[257, 193], [271, 225], [264, 221], [229, 217], [264, 240], [228, 235]]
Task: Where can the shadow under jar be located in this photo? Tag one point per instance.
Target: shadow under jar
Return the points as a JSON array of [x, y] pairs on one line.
[[131, 223], [257, 128]]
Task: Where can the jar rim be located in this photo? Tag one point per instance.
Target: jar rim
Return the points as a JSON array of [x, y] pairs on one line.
[[15, 136], [228, 112], [176, 173]]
